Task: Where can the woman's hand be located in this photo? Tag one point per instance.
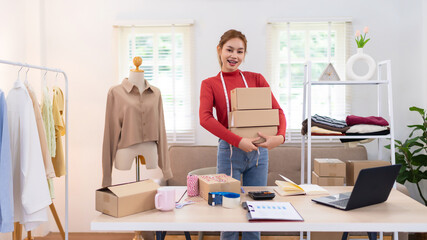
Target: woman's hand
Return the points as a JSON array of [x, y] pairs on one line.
[[246, 144], [270, 141]]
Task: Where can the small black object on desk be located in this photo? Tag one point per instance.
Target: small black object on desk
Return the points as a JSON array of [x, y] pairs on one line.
[[261, 195]]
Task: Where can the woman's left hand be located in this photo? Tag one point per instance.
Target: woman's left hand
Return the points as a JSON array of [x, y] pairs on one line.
[[270, 141]]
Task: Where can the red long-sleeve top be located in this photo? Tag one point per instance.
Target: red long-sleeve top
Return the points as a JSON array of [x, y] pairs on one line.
[[212, 95]]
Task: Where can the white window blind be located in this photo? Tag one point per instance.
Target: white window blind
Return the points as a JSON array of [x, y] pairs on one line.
[[166, 61], [290, 46]]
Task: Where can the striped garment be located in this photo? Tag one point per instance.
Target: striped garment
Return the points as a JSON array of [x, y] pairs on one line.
[[329, 121]]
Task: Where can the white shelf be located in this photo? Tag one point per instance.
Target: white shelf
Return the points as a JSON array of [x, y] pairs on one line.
[[349, 82], [384, 80], [348, 137]]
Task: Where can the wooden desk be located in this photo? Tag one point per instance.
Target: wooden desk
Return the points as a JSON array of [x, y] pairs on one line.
[[399, 213]]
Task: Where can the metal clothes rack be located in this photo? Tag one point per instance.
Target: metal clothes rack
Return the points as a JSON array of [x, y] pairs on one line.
[[66, 128]]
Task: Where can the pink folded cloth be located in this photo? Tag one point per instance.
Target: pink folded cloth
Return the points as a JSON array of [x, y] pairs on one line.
[[353, 120]]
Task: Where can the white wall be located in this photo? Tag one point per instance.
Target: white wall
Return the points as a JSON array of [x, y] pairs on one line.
[[79, 39], [424, 27]]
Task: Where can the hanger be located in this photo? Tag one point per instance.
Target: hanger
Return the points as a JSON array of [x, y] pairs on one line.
[[26, 76], [56, 79], [20, 71]]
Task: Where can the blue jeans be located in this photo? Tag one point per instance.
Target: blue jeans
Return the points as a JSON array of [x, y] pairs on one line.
[[245, 169]]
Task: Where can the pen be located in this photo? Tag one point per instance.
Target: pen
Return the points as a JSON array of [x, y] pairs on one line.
[[243, 191]]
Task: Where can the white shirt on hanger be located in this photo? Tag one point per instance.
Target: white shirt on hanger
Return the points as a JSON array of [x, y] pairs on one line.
[[30, 189]]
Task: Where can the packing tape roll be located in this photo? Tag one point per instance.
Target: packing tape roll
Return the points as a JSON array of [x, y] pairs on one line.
[[231, 200]]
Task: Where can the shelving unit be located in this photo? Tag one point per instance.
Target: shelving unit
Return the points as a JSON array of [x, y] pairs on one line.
[[307, 111], [308, 84]]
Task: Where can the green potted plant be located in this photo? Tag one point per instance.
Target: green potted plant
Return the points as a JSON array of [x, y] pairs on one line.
[[412, 154]]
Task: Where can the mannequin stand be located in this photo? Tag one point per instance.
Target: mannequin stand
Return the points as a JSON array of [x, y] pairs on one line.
[[138, 234]]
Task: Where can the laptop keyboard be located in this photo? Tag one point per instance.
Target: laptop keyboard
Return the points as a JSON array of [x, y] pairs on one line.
[[341, 203]]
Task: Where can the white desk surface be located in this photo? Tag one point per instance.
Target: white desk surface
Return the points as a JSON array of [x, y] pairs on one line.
[[399, 213]]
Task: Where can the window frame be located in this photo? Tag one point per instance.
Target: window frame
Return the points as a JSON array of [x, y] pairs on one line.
[[129, 32], [274, 61]]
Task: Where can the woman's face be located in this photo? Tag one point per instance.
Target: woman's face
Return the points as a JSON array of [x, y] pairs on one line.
[[232, 54]]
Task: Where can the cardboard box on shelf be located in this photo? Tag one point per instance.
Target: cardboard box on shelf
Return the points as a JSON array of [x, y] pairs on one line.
[[252, 132], [326, 181], [126, 199], [217, 183], [250, 98], [329, 167], [254, 118], [354, 167]]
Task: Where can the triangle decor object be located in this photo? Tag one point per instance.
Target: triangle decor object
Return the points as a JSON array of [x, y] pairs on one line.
[[329, 74]]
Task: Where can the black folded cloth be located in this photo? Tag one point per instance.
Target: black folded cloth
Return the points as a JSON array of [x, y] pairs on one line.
[[383, 132]]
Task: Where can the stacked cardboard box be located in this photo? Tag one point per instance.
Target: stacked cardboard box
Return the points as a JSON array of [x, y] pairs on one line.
[[354, 167], [251, 112], [328, 172]]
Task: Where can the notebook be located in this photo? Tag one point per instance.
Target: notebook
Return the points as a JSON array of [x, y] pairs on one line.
[[289, 188], [373, 185], [272, 211]]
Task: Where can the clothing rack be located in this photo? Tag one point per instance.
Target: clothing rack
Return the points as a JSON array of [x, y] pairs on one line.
[[66, 137]]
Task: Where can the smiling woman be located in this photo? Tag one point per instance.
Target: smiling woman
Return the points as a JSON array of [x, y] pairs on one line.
[[237, 156]]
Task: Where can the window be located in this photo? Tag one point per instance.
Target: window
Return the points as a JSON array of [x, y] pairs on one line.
[[166, 61], [290, 46]]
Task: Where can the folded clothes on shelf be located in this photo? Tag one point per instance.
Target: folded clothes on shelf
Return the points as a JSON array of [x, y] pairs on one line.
[[383, 132], [325, 123], [365, 128], [353, 120], [329, 121], [322, 131]]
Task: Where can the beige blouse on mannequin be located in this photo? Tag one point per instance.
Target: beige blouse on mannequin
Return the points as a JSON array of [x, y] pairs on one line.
[[126, 156]]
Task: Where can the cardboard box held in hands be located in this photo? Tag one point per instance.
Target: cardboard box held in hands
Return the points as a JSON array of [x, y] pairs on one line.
[[250, 98], [126, 199], [254, 118]]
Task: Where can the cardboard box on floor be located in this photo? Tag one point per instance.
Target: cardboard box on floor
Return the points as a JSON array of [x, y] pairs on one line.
[[126, 199], [329, 167], [254, 118], [250, 98], [354, 167], [217, 183], [326, 181], [252, 132]]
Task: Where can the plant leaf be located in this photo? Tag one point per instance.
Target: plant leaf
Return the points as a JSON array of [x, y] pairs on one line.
[[419, 160], [403, 177], [420, 110]]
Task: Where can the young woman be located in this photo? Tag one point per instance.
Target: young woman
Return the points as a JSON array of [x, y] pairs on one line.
[[237, 156]]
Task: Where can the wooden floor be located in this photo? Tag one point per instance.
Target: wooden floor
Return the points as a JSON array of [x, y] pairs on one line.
[[130, 236]]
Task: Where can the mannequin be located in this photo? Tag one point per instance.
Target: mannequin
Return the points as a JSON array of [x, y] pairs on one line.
[[126, 156]]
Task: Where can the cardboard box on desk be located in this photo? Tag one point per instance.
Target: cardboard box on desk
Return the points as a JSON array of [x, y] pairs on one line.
[[217, 183], [329, 167], [250, 98], [354, 167], [126, 199], [254, 118], [326, 181], [252, 132]]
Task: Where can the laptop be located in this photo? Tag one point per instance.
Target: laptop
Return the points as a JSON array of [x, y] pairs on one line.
[[373, 185]]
